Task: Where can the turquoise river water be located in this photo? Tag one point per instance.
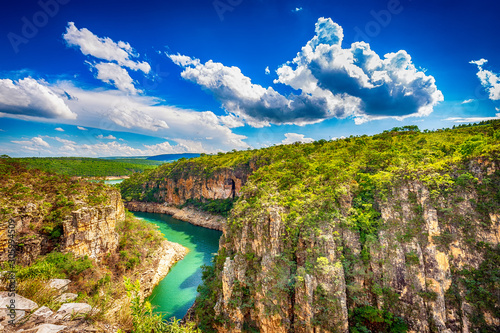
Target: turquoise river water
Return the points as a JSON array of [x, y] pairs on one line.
[[175, 294]]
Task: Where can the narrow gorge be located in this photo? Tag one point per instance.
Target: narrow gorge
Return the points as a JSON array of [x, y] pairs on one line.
[[397, 232]]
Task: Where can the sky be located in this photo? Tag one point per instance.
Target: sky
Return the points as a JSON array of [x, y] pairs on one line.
[[139, 78]]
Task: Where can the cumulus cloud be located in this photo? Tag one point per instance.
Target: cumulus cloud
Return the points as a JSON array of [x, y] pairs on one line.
[[104, 48], [295, 137], [257, 105], [380, 87], [29, 97], [81, 128], [113, 110], [467, 101], [267, 70], [332, 82], [489, 80], [35, 144], [59, 129], [112, 73], [101, 149], [108, 137], [298, 9], [65, 141]]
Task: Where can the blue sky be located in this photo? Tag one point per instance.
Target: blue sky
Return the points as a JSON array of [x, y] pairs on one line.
[[128, 78]]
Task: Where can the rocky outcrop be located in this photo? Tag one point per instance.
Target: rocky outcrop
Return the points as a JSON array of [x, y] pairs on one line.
[[91, 231], [431, 258], [187, 214], [223, 184], [87, 231]]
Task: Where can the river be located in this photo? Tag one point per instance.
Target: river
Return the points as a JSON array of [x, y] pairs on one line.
[[175, 294]]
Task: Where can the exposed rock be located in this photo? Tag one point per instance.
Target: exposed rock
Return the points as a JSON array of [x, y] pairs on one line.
[[408, 268], [46, 328], [187, 214], [165, 257], [87, 231], [42, 313], [59, 284], [66, 311], [66, 297], [91, 230], [11, 315], [161, 262], [20, 302]]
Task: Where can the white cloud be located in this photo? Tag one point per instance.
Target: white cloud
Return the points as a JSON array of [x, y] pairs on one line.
[[65, 141], [298, 9], [373, 87], [112, 73], [81, 128], [35, 144], [108, 137], [472, 119], [467, 101], [489, 80], [267, 70], [104, 48], [257, 105], [59, 129], [333, 83], [29, 97], [112, 110], [295, 137]]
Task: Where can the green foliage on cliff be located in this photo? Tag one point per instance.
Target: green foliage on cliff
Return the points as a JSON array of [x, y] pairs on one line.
[[325, 189], [215, 206], [89, 167], [45, 197]]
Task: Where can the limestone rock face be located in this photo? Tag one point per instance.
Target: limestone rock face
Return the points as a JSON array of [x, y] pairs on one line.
[[177, 189], [419, 265], [89, 230]]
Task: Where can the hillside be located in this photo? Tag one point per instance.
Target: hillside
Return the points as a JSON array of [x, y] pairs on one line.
[[89, 167], [72, 229], [393, 232]]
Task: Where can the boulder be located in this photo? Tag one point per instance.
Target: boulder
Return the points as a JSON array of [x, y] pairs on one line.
[[66, 311], [5, 315], [59, 284], [42, 313], [20, 302], [47, 328], [66, 297]]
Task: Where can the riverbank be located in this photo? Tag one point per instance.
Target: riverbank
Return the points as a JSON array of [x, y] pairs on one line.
[[149, 276], [187, 214]]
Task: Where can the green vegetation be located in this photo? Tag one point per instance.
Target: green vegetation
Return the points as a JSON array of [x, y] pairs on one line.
[[341, 184], [368, 319], [144, 321], [55, 265], [89, 167], [215, 206], [47, 198]]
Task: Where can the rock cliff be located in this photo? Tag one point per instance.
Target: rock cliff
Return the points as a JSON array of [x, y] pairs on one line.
[[89, 230], [179, 182], [431, 265]]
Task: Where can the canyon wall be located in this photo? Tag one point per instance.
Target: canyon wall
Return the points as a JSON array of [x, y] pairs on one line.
[[431, 265], [86, 231]]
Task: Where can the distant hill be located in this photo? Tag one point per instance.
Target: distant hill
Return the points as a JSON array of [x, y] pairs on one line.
[[172, 157]]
